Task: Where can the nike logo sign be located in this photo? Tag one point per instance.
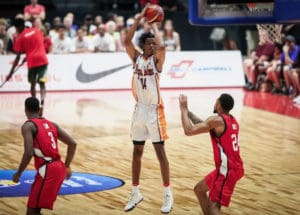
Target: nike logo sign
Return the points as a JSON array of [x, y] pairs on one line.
[[84, 77]]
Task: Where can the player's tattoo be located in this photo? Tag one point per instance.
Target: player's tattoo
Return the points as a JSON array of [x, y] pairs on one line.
[[194, 118]]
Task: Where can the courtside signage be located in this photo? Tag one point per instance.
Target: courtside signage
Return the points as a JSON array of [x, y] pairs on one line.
[[203, 69], [114, 71], [78, 183]]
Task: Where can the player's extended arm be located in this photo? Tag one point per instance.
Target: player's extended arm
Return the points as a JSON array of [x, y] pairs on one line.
[[202, 127], [27, 133], [195, 119], [67, 139], [161, 51], [130, 48], [189, 128], [15, 63]]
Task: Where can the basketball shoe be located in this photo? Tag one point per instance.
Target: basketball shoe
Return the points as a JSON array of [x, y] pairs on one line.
[[167, 201], [134, 198]]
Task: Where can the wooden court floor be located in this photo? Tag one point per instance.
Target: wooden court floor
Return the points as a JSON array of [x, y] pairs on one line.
[[100, 122]]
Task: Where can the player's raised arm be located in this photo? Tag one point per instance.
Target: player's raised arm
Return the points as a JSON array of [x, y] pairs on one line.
[[194, 119], [161, 51], [201, 127], [130, 48]]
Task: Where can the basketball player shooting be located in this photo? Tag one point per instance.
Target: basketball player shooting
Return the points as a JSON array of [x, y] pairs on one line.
[[148, 121]]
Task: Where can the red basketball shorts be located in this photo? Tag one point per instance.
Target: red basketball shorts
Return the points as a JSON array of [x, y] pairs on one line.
[[221, 187], [45, 189]]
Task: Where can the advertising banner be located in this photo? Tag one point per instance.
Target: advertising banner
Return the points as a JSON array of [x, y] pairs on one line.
[[106, 71]]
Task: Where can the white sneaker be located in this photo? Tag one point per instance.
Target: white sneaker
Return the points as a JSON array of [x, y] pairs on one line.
[[134, 198], [167, 202]]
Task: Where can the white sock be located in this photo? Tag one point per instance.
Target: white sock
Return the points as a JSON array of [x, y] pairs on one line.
[[135, 188], [167, 189]]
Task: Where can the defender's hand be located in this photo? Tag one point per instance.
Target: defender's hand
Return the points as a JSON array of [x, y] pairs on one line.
[[183, 102]]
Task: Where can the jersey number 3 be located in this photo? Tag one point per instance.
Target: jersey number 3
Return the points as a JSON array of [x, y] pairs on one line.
[[53, 143], [235, 142]]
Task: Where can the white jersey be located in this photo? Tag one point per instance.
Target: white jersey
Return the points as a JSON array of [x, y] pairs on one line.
[[104, 43], [61, 46], [145, 81]]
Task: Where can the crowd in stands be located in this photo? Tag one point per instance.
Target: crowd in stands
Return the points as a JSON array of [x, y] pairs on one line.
[[274, 67], [271, 67], [95, 34]]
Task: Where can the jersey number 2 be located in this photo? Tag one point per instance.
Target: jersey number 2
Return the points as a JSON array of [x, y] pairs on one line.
[[53, 143], [235, 142]]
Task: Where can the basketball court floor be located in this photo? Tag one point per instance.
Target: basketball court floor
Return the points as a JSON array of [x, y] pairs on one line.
[[100, 123]]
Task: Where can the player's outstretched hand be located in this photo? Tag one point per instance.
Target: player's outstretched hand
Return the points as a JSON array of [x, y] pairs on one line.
[[183, 102]]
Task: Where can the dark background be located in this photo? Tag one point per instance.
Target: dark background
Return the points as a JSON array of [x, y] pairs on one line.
[[192, 37]]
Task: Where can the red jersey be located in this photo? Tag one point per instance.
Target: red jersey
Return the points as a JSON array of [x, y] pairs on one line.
[[31, 41], [226, 146], [34, 10], [45, 142], [47, 44]]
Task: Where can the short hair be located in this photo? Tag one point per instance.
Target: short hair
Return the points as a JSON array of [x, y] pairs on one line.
[[61, 26], [226, 102], [18, 22], [32, 105], [3, 22], [144, 37]]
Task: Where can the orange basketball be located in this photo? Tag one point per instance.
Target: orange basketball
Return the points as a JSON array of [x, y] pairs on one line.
[[154, 13]]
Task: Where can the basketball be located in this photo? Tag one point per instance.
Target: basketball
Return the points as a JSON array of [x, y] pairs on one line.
[[154, 13]]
